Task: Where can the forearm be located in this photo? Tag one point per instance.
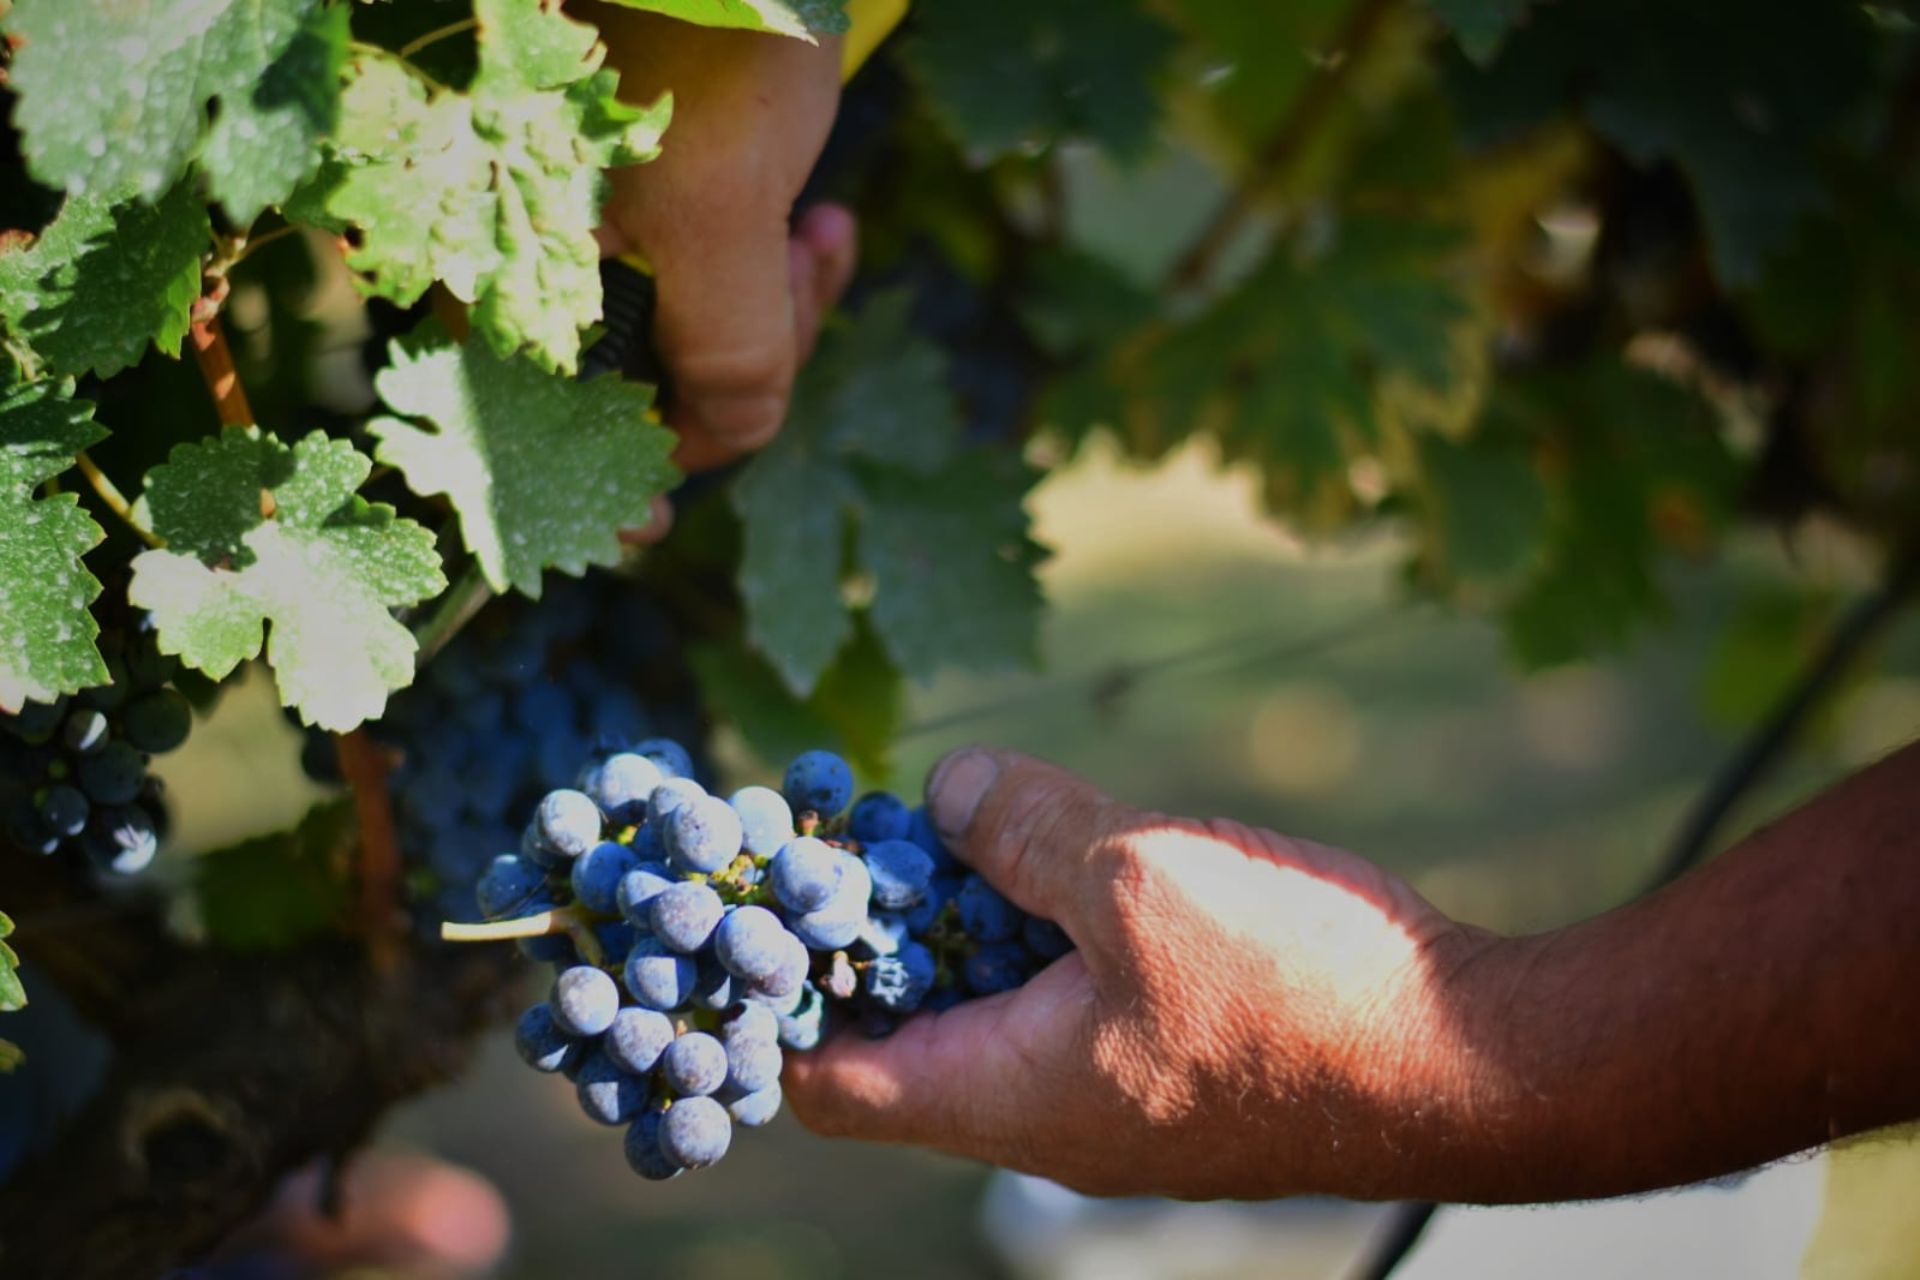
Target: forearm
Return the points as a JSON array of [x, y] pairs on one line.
[[1763, 1005]]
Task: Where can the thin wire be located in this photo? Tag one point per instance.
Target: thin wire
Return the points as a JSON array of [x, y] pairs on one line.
[[1763, 749]]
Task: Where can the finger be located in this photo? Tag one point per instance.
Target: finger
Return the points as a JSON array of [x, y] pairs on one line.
[[803, 275], [829, 239], [659, 524], [971, 1080], [1053, 843]]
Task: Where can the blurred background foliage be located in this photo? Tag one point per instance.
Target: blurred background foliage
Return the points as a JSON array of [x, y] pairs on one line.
[[1460, 422]]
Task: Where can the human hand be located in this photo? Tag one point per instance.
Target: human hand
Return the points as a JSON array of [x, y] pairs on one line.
[[1245, 1015], [741, 293]]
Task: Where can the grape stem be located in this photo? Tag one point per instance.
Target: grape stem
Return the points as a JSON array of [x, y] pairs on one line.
[[538, 925], [115, 501]]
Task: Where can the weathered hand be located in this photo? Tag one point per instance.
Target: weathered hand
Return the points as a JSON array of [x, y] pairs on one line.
[[1245, 1015]]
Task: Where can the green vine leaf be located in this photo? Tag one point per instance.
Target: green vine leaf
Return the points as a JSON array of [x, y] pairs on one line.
[[46, 632], [114, 99], [543, 470], [495, 191], [953, 567], [1285, 368], [872, 431], [258, 532], [102, 281], [12, 995], [276, 891], [801, 19], [1010, 77], [265, 142]]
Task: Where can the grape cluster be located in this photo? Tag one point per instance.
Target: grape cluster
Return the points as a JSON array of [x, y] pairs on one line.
[[507, 712], [73, 772], [697, 939]]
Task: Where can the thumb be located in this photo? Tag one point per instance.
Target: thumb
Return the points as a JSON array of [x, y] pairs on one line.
[[1052, 842]]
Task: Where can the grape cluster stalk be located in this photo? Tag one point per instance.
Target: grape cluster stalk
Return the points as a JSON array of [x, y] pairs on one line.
[[696, 940], [74, 772]]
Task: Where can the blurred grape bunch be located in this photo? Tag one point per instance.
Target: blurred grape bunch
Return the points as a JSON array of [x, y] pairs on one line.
[[73, 772], [507, 712]]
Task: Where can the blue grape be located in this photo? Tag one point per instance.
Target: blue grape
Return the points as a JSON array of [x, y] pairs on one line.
[[608, 1093], [752, 1064], [805, 874], [658, 978], [508, 886], [899, 982], [668, 796], [801, 1028], [121, 839], [637, 890], [695, 1064], [921, 831], [766, 820], [827, 930], [749, 1020], [984, 914], [714, 987], [113, 774], [755, 1109], [885, 932], [158, 722], [685, 915], [569, 822], [540, 1041], [819, 781], [643, 1151], [637, 1038], [64, 810], [695, 1133], [616, 941], [703, 835], [748, 942], [879, 815], [621, 786], [648, 846], [84, 731], [668, 754], [597, 874], [995, 967], [1044, 938], [901, 874], [584, 1001], [791, 964], [36, 721]]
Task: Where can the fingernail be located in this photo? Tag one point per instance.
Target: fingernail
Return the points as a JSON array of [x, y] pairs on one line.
[[956, 789]]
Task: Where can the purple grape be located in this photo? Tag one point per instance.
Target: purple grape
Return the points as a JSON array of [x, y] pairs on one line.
[[685, 915], [695, 1064], [703, 835], [901, 874], [766, 820], [695, 1133], [541, 1043], [621, 786], [584, 1000], [877, 816], [658, 978], [804, 874], [819, 781], [597, 874], [643, 1151], [608, 1093]]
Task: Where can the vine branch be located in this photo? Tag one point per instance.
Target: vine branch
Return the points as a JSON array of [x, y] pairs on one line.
[[215, 358], [1282, 150], [1750, 763], [364, 767]]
